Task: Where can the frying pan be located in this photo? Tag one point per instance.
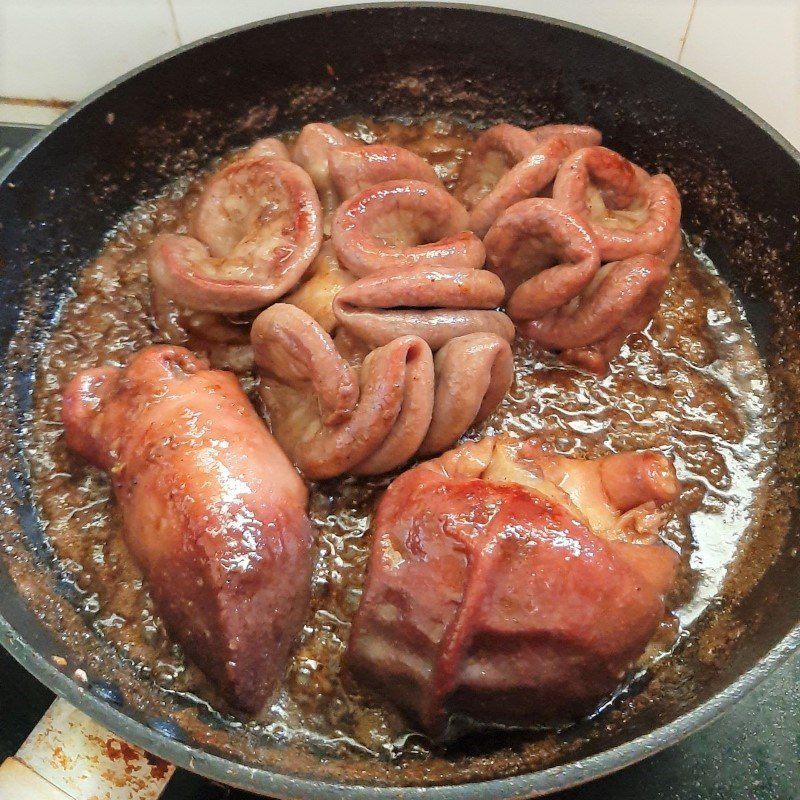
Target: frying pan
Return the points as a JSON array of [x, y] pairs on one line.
[[740, 183]]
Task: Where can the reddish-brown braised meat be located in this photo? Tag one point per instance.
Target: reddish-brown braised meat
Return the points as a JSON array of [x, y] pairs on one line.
[[323, 281], [435, 303], [354, 169], [214, 513], [628, 211], [257, 226], [501, 147], [509, 164], [510, 585], [544, 255], [331, 417], [341, 167], [576, 135], [558, 295], [348, 409], [404, 224], [267, 148]]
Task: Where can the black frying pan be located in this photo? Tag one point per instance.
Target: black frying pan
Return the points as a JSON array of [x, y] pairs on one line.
[[740, 184]]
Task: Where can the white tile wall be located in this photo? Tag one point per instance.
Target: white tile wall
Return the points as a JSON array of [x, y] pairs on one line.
[[67, 48], [656, 24], [752, 50]]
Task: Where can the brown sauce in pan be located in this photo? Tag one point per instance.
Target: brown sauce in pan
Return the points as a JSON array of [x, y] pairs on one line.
[[692, 386]]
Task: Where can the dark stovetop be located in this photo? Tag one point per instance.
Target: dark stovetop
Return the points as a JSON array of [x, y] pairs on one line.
[[753, 753]]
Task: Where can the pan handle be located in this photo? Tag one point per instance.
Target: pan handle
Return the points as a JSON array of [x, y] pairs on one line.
[[70, 757]]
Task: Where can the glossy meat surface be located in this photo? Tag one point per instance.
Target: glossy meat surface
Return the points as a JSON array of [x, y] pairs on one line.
[[629, 211], [495, 594], [680, 386], [500, 148], [509, 164], [544, 256], [436, 304], [331, 417], [404, 224], [549, 252], [257, 226], [336, 407], [341, 167], [214, 513]]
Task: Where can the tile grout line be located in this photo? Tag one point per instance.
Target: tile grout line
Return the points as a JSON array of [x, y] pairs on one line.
[[685, 31], [174, 18]]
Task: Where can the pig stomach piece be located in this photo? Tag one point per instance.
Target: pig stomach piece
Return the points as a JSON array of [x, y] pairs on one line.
[[213, 511], [491, 601]]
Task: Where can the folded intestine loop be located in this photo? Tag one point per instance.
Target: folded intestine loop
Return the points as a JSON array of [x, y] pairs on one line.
[[332, 416], [404, 224], [628, 211], [257, 229]]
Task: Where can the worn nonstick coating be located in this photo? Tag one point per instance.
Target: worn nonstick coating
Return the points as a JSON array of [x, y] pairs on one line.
[[740, 184]]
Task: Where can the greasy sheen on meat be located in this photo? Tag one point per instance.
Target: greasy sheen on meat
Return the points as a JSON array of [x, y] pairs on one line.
[[558, 294], [403, 224], [628, 211], [341, 167], [501, 147], [510, 585], [336, 407], [257, 228], [437, 304], [330, 417], [213, 511], [548, 252], [509, 164]]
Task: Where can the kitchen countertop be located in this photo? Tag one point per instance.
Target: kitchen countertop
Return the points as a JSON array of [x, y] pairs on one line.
[[752, 753]]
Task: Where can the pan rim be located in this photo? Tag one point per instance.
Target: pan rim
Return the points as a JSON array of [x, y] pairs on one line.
[[271, 782]]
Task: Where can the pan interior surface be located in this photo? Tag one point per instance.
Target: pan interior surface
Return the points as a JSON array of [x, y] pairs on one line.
[[128, 145]]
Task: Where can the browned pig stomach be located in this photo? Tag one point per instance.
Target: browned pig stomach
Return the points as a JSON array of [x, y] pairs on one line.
[[213, 511], [510, 585]]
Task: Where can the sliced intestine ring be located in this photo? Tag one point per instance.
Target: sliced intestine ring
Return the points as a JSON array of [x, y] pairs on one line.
[[399, 289], [628, 211], [436, 304], [549, 252], [509, 164], [404, 224], [341, 167], [257, 228]]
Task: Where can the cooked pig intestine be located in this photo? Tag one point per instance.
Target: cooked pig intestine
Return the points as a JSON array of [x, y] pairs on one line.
[[267, 148], [510, 585], [333, 415], [341, 167], [404, 224], [544, 256], [214, 513], [224, 340], [549, 252], [437, 304], [501, 147], [558, 295], [628, 211], [509, 164], [417, 268], [257, 229], [323, 282]]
